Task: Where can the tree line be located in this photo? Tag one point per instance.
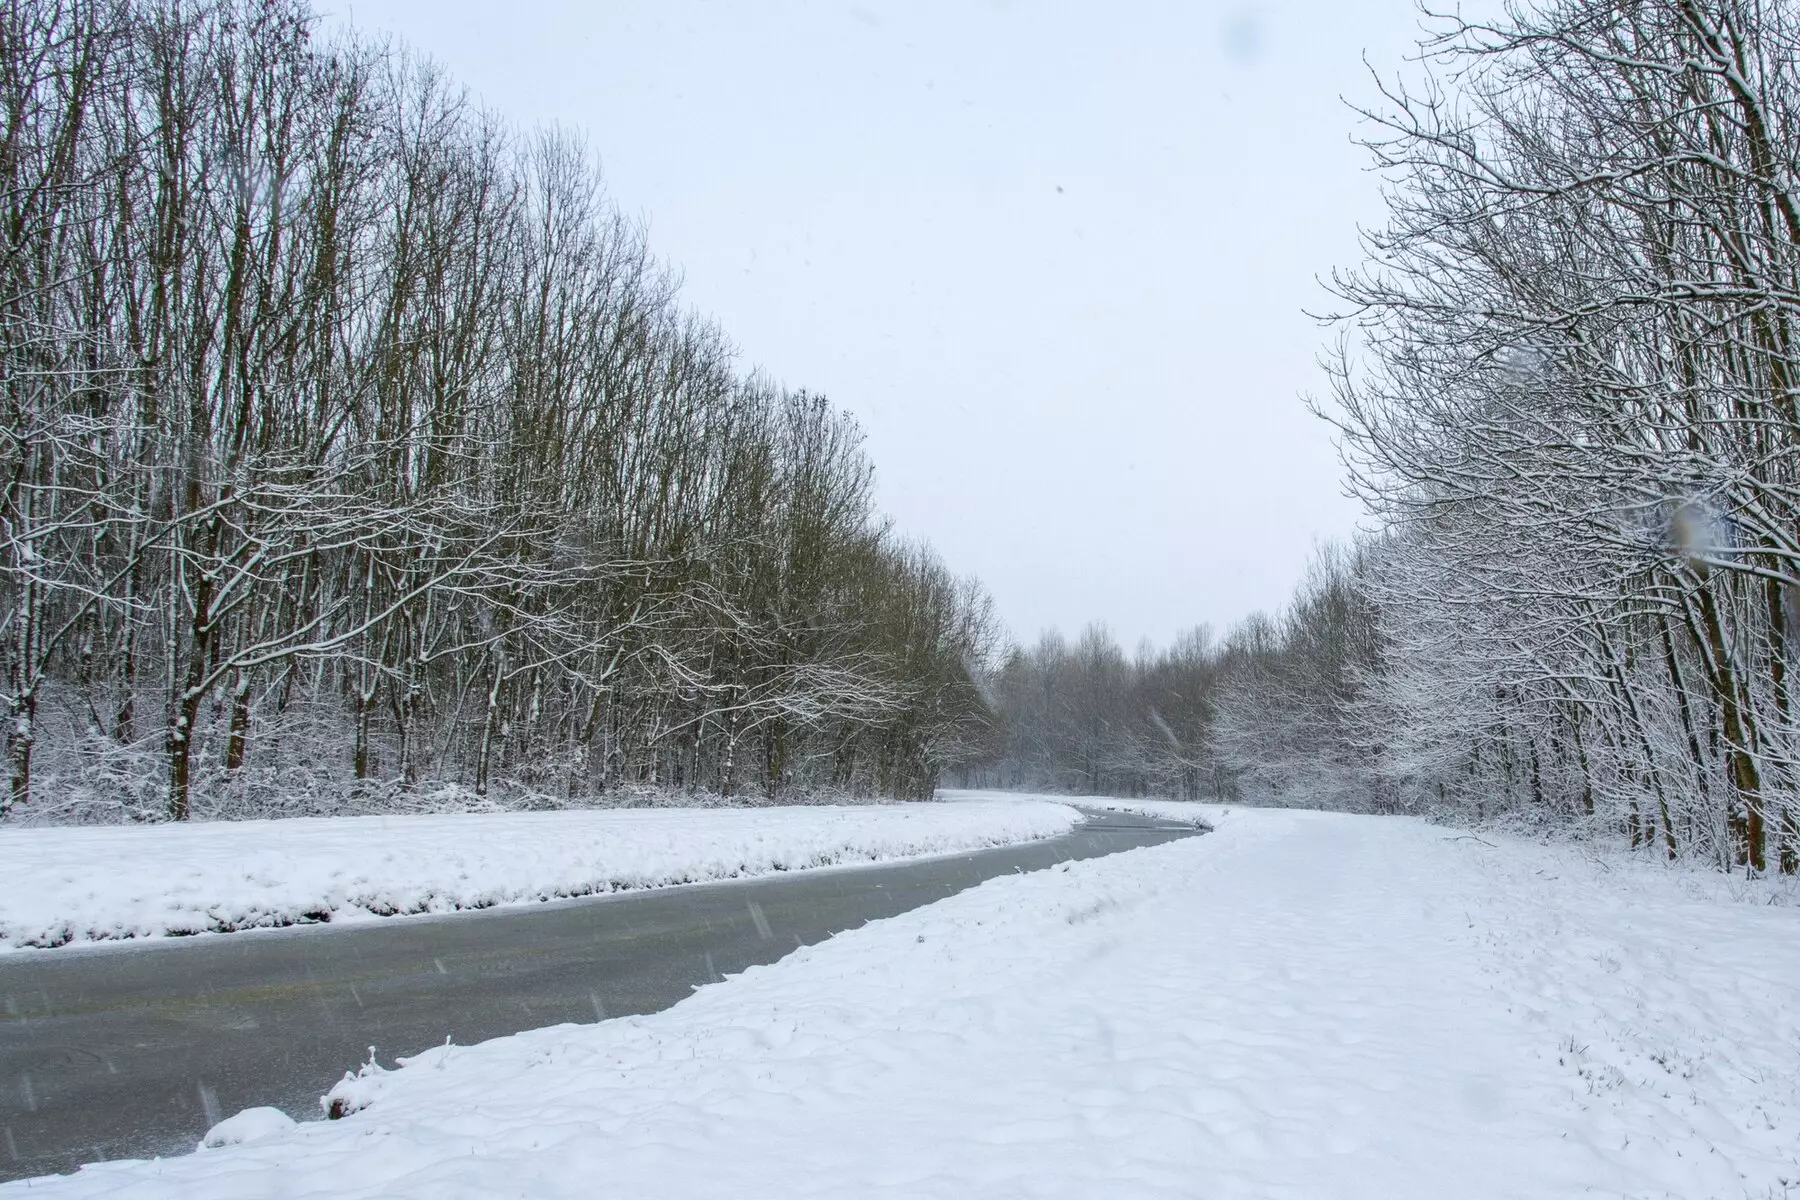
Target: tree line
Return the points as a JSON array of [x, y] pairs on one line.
[[1084, 718], [354, 444], [1568, 392], [1262, 713], [1575, 414]]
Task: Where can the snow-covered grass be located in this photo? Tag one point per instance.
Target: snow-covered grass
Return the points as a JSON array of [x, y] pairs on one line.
[[1168, 810], [1298, 1004], [1186, 811], [88, 884]]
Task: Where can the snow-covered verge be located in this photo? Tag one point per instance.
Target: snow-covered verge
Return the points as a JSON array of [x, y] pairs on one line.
[[1185, 811], [1167, 810], [1298, 1004], [88, 884], [128, 785]]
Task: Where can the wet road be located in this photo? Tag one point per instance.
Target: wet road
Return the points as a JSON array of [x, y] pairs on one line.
[[126, 1052]]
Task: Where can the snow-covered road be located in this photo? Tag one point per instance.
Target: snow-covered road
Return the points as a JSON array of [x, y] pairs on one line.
[[1297, 1005], [75, 885]]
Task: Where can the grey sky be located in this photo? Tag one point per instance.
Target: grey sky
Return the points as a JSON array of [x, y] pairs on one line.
[[1054, 257]]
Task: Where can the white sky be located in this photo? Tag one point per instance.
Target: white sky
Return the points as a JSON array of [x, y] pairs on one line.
[[1053, 256]]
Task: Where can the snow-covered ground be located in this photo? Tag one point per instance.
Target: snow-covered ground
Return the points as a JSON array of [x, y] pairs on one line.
[[1168, 810], [74, 885], [1298, 1004]]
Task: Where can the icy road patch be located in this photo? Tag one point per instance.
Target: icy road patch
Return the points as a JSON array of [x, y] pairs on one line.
[[82, 885], [1296, 1005]]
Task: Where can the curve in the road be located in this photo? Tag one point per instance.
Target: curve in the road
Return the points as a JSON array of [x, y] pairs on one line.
[[127, 1052]]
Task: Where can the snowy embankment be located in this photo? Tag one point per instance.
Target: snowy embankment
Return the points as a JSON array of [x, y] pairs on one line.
[[75, 885], [1297, 1004], [1185, 811]]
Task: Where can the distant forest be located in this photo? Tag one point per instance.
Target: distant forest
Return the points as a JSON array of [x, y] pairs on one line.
[[1261, 714]]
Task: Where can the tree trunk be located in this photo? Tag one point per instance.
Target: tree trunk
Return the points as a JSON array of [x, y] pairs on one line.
[[1741, 768], [240, 722], [484, 758], [179, 745], [21, 732]]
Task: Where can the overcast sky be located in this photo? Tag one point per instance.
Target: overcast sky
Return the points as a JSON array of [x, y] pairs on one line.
[[1055, 258]]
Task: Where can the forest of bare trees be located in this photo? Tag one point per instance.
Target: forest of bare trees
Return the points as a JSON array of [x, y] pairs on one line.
[[1569, 395], [1264, 714], [354, 445], [1568, 392], [1084, 718]]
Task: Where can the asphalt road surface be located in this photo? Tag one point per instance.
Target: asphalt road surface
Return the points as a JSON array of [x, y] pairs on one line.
[[132, 1051]]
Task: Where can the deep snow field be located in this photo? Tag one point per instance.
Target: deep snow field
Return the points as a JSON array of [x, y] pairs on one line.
[[103, 883], [1295, 1005]]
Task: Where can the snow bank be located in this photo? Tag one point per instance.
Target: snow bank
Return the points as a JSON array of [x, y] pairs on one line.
[[1299, 1004], [73, 885], [1168, 810]]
